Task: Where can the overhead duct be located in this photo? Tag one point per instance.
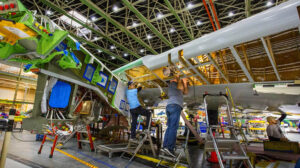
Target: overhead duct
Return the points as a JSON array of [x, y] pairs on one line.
[[278, 88]]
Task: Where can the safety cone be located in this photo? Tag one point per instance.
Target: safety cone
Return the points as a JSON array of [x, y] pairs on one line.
[[213, 157]]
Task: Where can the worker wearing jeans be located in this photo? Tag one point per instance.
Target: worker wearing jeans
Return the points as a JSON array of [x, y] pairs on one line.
[[177, 88], [135, 107]]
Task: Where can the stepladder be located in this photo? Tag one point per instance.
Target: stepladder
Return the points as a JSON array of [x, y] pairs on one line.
[[61, 138], [181, 151], [136, 145], [89, 139], [225, 149]]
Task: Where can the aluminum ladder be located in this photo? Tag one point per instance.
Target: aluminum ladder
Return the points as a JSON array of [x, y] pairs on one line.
[[227, 149], [183, 151], [134, 146]]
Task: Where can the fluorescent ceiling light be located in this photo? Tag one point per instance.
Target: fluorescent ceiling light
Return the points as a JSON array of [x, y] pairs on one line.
[[198, 22], [269, 3], [115, 8], [112, 47], [142, 50], [230, 14], [172, 30], [149, 36], [71, 22], [159, 16], [190, 5]]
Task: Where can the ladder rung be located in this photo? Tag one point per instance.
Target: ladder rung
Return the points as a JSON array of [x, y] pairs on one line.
[[170, 158], [224, 140], [234, 157], [134, 141], [84, 141], [219, 126], [130, 151]]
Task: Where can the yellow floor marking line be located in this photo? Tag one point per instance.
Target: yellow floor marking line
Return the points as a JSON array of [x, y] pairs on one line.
[[73, 157], [93, 166], [156, 161], [76, 158]]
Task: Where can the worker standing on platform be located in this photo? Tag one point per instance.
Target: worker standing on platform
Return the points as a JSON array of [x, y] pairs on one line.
[[273, 130], [177, 88], [135, 107]]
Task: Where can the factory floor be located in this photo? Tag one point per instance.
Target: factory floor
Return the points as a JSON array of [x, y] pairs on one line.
[[22, 153]]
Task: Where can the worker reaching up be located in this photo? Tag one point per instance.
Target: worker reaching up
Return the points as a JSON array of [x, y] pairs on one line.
[[177, 88], [135, 107], [273, 130]]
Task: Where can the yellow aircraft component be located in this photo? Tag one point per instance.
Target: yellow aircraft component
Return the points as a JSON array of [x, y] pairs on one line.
[[256, 129], [257, 121], [12, 32]]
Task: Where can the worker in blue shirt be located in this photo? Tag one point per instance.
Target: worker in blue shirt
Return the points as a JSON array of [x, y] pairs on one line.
[[135, 107]]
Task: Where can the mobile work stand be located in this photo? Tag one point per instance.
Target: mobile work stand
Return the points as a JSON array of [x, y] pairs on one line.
[[226, 149], [183, 151], [114, 148]]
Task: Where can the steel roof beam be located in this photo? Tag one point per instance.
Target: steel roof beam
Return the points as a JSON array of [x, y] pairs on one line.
[[117, 24], [270, 54], [217, 67], [240, 62], [82, 40], [172, 10], [147, 22], [247, 8], [58, 9]]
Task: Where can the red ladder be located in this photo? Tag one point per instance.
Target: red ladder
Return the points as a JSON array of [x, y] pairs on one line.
[[79, 141], [89, 141]]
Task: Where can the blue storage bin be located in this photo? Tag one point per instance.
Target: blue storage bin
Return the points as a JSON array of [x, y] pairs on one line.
[[203, 127]]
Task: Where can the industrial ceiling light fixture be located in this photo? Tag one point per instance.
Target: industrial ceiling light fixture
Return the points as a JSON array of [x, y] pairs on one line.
[[198, 23], [49, 12], [190, 5], [78, 16], [269, 3], [142, 50], [149, 36], [112, 47], [230, 14], [93, 18], [115, 8], [99, 51], [125, 54], [134, 24], [172, 30], [160, 16], [112, 57]]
